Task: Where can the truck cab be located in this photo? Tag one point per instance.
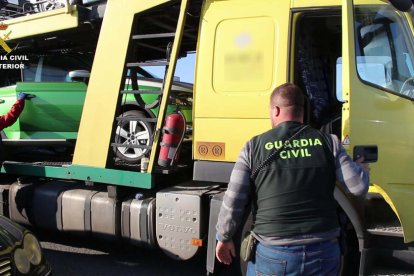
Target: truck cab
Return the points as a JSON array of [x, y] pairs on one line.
[[352, 59]]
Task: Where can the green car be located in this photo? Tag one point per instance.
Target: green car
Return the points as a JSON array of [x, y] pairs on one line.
[[58, 83]]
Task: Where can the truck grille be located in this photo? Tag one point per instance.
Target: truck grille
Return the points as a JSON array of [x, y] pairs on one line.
[[5, 267]]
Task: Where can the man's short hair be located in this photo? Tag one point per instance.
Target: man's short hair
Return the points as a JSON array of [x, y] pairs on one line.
[[289, 95]]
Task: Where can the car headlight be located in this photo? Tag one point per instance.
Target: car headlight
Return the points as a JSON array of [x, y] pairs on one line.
[[21, 261], [32, 249]]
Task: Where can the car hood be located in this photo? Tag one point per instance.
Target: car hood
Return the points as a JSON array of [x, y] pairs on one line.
[[10, 232]]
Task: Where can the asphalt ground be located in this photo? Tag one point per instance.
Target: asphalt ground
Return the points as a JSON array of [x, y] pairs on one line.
[[74, 255]]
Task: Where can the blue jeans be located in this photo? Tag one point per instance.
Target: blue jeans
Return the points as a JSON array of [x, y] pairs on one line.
[[320, 258]]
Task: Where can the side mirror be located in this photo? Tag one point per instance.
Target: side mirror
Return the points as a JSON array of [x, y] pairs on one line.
[[402, 5], [79, 75]]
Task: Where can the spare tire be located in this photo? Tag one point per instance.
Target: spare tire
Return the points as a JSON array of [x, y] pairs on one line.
[[133, 133]]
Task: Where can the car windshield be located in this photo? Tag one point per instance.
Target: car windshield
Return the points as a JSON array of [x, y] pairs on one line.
[[384, 48], [55, 68]]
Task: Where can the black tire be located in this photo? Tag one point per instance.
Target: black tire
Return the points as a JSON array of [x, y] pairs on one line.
[[350, 255], [134, 132]]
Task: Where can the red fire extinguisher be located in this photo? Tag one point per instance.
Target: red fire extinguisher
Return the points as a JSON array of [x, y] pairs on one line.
[[172, 137]]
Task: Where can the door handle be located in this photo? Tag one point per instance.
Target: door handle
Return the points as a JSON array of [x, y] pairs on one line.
[[2, 101], [369, 152]]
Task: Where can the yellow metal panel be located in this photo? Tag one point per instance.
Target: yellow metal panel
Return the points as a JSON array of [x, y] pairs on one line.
[[369, 2], [295, 18], [242, 57], [230, 134], [377, 117], [41, 23], [379, 190], [243, 63], [100, 104], [326, 3], [313, 3], [348, 63]]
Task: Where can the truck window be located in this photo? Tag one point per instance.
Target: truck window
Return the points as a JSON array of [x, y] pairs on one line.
[[244, 55], [384, 49]]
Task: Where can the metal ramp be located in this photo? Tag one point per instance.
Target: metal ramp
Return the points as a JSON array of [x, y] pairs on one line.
[[39, 23], [16, 8], [44, 16]]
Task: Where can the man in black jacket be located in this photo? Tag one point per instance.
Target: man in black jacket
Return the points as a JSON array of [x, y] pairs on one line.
[[294, 210]]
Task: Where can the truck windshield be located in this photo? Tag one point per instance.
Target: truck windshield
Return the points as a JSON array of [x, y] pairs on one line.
[[384, 48]]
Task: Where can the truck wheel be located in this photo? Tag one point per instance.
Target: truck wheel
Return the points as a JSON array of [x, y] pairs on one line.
[[134, 132], [350, 255]]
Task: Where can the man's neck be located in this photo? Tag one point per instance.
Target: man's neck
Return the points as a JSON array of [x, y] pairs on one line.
[[289, 119]]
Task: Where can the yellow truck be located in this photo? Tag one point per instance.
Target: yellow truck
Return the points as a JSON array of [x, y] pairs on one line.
[[353, 59]]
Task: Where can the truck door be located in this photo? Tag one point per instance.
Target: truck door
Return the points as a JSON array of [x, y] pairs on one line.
[[241, 58], [378, 92]]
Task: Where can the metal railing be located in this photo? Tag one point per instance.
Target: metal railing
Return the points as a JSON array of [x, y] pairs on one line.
[[9, 10]]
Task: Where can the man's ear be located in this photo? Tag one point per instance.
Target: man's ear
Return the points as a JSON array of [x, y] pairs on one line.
[[277, 111]]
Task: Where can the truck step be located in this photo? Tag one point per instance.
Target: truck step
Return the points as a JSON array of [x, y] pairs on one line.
[[148, 46], [141, 64], [188, 32], [386, 272], [156, 92], [394, 231], [54, 164], [382, 261], [43, 163], [151, 36]]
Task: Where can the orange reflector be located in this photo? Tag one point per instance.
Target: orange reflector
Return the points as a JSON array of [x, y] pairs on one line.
[[197, 242]]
